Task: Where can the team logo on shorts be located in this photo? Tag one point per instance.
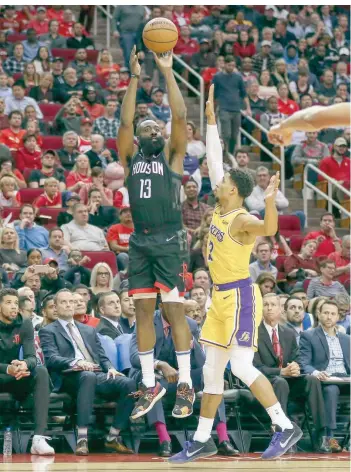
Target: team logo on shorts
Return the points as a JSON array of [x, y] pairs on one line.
[[245, 337]]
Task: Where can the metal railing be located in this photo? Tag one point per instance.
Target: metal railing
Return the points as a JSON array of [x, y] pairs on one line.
[[199, 93], [280, 161], [327, 196]]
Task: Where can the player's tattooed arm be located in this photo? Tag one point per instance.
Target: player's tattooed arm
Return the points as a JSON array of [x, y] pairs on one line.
[[176, 145], [125, 138]]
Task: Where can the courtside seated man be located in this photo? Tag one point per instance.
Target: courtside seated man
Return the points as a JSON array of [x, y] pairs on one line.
[[230, 330], [158, 247]]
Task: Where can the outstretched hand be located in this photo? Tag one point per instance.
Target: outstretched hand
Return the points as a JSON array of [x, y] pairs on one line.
[[279, 136], [272, 189], [164, 61], [210, 113], [134, 65]]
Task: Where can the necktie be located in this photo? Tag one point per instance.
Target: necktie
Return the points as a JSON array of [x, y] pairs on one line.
[[277, 347], [79, 342]]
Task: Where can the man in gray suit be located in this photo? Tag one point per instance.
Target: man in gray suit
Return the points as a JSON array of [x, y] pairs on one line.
[[325, 353]]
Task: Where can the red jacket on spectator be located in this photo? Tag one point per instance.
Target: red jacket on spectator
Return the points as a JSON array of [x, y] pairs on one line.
[[244, 51], [45, 201], [325, 243], [340, 261], [65, 29], [340, 172], [40, 27], [53, 14], [12, 140], [13, 24], [28, 160], [287, 108], [188, 48], [95, 111]]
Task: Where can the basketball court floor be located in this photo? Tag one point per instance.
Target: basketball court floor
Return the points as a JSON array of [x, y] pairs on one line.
[[146, 463]]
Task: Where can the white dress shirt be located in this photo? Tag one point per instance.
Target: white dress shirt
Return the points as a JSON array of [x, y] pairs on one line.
[[114, 323], [78, 356], [269, 328]]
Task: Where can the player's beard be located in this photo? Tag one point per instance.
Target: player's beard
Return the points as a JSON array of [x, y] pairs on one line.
[[152, 146]]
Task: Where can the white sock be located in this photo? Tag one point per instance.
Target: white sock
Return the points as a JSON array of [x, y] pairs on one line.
[[278, 416], [113, 433], [203, 432], [147, 368], [183, 359]]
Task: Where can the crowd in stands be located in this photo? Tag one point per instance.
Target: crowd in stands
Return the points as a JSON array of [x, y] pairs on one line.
[[66, 221]]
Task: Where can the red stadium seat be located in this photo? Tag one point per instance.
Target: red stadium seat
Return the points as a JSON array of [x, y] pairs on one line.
[[14, 37], [289, 225], [28, 195], [49, 110], [52, 142], [102, 256], [111, 144], [7, 210], [296, 242], [68, 54], [53, 213], [279, 263]]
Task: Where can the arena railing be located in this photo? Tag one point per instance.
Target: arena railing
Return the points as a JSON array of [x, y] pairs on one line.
[[199, 93], [279, 160], [327, 196]]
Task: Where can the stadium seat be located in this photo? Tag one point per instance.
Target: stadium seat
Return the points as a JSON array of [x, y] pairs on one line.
[[279, 263], [7, 210], [49, 110], [29, 194], [53, 213], [296, 242], [101, 256], [289, 225], [52, 142], [68, 54], [111, 144], [14, 37]]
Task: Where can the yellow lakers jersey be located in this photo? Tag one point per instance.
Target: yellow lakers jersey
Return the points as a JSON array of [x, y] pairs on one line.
[[228, 259]]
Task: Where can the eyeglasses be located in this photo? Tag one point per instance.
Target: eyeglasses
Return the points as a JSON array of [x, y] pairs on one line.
[[103, 273]]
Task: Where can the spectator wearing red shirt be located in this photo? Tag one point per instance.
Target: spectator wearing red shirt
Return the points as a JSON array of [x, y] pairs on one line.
[[118, 237], [51, 197], [326, 238], [80, 311], [342, 261], [12, 137], [10, 23], [337, 166], [180, 18], [80, 174], [186, 46], [305, 260], [244, 47], [285, 105], [41, 23], [66, 26], [105, 64], [55, 13], [29, 156]]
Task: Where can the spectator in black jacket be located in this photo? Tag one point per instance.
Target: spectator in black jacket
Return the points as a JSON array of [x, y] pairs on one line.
[[127, 319], [79, 40], [77, 274], [109, 307], [99, 215], [23, 377]]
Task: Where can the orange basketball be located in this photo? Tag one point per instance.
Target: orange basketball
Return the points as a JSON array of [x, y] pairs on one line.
[[160, 35]]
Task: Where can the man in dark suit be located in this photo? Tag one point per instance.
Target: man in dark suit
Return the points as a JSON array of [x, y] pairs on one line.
[[166, 366], [295, 313], [325, 353], [277, 358], [75, 347], [109, 307]]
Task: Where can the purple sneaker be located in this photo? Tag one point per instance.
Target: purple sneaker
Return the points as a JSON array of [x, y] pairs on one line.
[[282, 441], [194, 450]]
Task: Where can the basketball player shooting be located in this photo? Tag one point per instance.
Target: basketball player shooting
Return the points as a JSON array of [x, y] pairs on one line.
[[230, 329], [158, 248], [311, 119]]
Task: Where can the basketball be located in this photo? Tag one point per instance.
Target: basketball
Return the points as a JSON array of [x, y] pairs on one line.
[[160, 35]]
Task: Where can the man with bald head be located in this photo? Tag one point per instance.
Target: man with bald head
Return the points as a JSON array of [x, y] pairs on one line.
[[158, 248], [277, 358]]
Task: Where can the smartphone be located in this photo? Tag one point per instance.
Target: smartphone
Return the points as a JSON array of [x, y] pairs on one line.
[[42, 269]]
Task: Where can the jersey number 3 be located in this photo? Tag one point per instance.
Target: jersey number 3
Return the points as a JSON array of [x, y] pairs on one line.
[[145, 188]]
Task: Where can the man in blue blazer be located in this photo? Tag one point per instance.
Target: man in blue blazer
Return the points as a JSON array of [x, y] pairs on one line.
[[324, 353], [78, 365], [166, 365]]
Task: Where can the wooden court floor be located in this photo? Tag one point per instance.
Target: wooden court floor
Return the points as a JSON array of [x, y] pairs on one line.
[[149, 463]]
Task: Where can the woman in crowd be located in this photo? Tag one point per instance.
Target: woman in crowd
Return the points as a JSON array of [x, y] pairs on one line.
[[267, 89], [244, 47], [42, 62], [30, 114], [80, 174], [266, 283], [101, 281], [339, 41], [34, 257], [302, 261], [105, 64], [195, 147], [314, 308], [30, 77], [9, 196], [43, 92], [11, 257], [97, 176], [280, 73], [7, 167]]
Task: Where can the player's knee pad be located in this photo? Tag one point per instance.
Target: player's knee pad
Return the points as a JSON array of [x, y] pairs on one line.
[[213, 370], [172, 296], [242, 367], [143, 296]]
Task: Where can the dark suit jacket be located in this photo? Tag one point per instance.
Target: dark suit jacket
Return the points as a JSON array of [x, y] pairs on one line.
[[265, 359], [314, 350], [197, 354], [59, 351], [108, 329]]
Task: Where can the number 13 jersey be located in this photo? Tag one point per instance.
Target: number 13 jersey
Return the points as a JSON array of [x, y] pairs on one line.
[[154, 193]]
